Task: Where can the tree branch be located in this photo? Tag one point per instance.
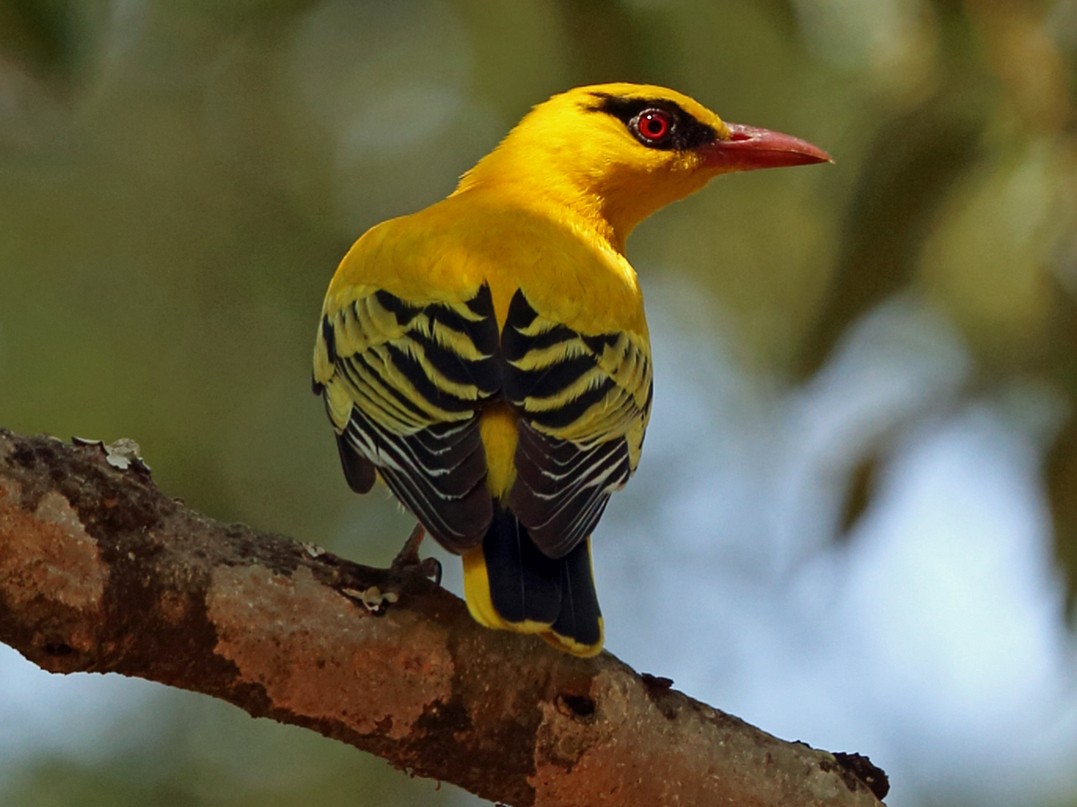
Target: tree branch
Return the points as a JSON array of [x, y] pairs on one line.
[[101, 572]]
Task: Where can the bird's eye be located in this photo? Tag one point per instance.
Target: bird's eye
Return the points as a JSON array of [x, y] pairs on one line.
[[651, 126]]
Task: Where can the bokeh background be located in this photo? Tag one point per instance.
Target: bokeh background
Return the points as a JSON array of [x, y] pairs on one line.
[[855, 523]]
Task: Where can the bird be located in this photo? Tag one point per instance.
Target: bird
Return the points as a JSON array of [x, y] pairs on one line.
[[488, 358]]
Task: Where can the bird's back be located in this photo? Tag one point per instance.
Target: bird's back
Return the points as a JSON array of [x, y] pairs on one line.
[[536, 354], [488, 357]]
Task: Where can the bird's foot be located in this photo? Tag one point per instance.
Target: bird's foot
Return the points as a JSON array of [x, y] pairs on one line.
[[407, 560], [406, 564], [372, 598]]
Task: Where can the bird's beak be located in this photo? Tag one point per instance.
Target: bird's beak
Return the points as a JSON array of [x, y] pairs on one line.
[[749, 147]]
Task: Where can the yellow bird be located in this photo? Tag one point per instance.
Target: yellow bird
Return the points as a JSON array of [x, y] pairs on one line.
[[488, 356]]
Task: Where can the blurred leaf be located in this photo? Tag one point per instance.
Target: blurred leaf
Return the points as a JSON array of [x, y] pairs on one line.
[[1060, 364], [1061, 473], [859, 493], [44, 33], [910, 164]]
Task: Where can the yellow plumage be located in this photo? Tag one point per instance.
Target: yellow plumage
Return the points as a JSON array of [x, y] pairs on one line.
[[488, 357]]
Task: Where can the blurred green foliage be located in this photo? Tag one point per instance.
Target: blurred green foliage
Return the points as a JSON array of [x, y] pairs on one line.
[[178, 180]]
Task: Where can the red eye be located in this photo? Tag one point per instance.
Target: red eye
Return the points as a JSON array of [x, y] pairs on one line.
[[652, 125]]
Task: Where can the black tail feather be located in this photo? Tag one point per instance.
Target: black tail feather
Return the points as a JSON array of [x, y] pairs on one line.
[[528, 586], [579, 618], [524, 583]]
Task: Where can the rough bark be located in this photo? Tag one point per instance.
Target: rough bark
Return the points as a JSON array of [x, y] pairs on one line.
[[101, 572]]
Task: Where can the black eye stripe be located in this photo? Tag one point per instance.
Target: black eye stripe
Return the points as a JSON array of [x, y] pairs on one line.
[[686, 132]]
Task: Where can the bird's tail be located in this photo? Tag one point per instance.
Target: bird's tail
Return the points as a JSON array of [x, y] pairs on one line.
[[510, 584]]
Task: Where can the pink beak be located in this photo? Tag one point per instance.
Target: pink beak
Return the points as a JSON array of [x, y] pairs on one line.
[[750, 147]]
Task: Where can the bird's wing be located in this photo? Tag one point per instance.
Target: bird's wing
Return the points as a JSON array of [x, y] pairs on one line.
[[402, 382], [584, 402]]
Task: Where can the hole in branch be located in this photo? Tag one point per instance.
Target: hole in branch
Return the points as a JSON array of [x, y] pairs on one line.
[[579, 705]]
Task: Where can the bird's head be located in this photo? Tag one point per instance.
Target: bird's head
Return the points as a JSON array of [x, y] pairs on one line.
[[616, 153]]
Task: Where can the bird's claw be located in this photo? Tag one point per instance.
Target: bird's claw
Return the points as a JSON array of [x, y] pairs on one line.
[[372, 598], [407, 560]]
